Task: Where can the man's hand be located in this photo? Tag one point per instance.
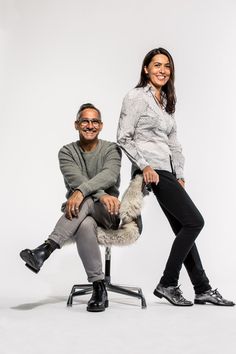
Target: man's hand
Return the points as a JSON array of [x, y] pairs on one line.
[[111, 203], [73, 204], [181, 182], [150, 176]]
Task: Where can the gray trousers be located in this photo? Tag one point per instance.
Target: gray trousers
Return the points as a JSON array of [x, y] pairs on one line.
[[84, 231]]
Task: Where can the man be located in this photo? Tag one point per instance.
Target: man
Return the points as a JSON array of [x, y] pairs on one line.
[[91, 171]]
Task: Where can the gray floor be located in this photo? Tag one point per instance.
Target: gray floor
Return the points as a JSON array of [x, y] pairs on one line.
[[37, 326]]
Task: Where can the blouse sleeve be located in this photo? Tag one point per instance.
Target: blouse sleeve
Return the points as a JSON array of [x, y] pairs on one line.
[[176, 150], [130, 113]]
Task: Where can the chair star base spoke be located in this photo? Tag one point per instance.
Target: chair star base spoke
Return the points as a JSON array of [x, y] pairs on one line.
[[85, 289], [129, 291]]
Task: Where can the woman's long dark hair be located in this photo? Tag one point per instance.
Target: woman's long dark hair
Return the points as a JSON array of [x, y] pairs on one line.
[[168, 89]]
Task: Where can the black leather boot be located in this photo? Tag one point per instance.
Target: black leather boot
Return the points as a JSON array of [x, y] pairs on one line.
[[99, 300], [35, 258]]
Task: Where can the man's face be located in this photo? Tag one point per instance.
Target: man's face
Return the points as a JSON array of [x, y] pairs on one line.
[[89, 125]]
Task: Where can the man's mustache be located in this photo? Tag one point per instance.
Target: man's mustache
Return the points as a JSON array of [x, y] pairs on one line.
[[89, 130]]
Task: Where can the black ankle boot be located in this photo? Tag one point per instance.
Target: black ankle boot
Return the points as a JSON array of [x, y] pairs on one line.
[[34, 259], [99, 300]]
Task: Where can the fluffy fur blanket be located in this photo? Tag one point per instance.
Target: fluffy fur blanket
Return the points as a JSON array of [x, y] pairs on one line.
[[130, 215]]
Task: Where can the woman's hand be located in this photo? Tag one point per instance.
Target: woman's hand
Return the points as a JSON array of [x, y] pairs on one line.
[[150, 176], [181, 182]]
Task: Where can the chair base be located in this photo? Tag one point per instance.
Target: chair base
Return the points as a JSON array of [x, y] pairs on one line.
[[83, 289]]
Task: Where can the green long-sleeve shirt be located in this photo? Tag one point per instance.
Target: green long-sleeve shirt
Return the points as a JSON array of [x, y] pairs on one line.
[[94, 173]]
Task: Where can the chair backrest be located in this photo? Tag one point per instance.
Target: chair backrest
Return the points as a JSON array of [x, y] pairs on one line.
[[130, 215]]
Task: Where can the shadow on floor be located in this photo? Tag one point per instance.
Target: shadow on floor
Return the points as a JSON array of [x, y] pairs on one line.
[[77, 301], [32, 305]]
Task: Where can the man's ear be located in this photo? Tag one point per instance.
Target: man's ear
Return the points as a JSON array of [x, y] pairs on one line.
[[76, 125], [101, 126]]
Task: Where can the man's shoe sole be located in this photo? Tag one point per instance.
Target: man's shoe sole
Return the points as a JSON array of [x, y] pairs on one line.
[[160, 295], [28, 257]]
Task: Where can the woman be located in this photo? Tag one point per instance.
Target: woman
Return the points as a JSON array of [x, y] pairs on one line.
[[147, 133]]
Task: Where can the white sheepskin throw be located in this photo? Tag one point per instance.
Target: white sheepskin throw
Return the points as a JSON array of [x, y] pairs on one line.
[[130, 210]]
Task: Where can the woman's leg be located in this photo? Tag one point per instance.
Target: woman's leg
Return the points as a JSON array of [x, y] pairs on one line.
[[192, 261], [171, 195]]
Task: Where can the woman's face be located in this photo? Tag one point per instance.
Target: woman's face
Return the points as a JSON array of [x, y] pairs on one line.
[[158, 70]]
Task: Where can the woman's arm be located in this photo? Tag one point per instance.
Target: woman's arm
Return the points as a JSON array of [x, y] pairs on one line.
[[131, 110], [130, 113], [176, 150]]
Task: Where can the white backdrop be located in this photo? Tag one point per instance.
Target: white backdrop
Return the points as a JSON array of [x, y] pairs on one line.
[[56, 55]]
